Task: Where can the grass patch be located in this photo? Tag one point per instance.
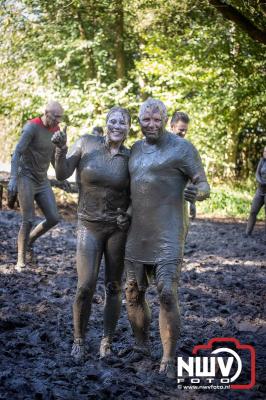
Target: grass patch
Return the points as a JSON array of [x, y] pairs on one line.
[[228, 200]]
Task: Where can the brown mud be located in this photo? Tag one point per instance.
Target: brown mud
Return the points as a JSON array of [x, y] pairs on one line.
[[221, 295]]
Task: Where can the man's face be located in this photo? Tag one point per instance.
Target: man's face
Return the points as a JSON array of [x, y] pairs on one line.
[[264, 153], [117, 127], [152, 125], [53, 117], [180, 128]]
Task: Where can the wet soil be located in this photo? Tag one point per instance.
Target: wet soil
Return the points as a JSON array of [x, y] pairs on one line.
[[222, 294]]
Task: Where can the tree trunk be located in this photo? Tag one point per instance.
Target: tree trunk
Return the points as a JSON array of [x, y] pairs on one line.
[[234, 15], [119, 40], [92, 72]]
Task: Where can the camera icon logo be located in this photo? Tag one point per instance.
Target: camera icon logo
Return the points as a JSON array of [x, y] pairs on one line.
[[222, 363]]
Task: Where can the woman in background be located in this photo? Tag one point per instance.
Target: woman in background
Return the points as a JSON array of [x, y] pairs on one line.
[[260, 196]]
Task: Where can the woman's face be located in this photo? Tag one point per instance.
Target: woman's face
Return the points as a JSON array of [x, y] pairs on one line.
[[264, 153], [117, 127]]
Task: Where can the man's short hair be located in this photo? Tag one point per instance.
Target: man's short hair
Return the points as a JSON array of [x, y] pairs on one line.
[[153, 104], [179, 116]]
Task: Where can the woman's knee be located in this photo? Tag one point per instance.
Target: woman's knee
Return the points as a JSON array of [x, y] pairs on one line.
[[113, 289], [84, 292]]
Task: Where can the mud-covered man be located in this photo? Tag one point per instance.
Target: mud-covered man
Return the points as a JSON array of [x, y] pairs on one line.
[[29, 165], [160, 167]]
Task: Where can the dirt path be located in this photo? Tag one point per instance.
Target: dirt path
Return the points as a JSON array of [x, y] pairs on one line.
[[221, 295]]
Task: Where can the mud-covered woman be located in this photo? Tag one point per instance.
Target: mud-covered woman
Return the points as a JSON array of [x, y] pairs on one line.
[[103, 180], [259, 199]]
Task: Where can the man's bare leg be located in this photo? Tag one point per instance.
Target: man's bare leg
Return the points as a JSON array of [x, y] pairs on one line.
[[169, 323], [139, 316]]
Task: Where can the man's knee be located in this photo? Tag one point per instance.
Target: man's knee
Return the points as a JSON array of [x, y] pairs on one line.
[[133, 295], [113, 288], [52, 220], [254, 212], [27, 223], [167, 295]]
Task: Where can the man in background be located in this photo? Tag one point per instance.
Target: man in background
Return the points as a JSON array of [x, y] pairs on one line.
[[29, 166], [179, 125]]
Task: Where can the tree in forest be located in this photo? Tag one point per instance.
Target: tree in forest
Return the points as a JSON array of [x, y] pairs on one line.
[[205, 57]]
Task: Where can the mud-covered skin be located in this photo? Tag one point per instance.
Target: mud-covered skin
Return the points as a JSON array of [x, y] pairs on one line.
[[160, 167], [29, 166], [259, 199], [103, 181]]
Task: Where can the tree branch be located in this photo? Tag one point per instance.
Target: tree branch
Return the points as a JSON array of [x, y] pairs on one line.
[[232, 14]]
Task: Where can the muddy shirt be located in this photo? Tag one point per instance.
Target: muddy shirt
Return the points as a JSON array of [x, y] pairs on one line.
[[158, 175], [103, 179], [34, 151]]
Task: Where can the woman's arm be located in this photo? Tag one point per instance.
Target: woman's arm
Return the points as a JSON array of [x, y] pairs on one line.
[[65, 164], [258, 174]]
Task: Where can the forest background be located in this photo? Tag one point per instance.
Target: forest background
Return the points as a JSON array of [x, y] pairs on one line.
[[204, 57]]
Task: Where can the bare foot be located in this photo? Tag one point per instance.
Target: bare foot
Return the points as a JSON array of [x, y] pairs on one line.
[[78, 350], [20, 266], [105, 347], [31, 255], [168, 369], [138, 353]]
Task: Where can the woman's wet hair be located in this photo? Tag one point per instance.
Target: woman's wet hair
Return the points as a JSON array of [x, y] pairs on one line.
[[123, 111]]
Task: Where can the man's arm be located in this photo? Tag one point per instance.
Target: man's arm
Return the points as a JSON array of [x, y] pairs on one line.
[[24, 141], [192, 166], [203, 190]]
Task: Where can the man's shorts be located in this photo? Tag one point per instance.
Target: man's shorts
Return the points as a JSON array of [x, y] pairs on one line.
[[145, 274]]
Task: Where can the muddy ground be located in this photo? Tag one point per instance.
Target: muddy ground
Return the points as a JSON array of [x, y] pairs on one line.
[[221, 295]]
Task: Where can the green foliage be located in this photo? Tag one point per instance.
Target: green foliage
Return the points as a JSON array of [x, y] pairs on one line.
[[183, 52], [229, 200]]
